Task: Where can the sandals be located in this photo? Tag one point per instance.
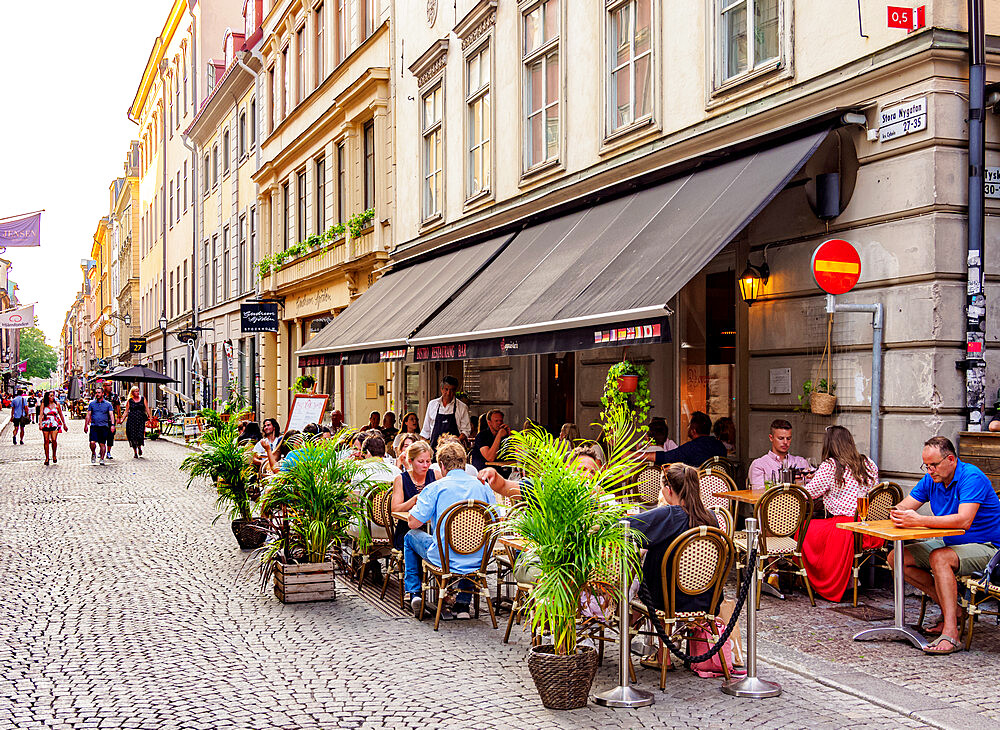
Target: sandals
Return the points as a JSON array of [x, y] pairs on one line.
[[935, 646]]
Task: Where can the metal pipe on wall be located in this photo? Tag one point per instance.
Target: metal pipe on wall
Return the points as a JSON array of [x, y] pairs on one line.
[[974, 363]]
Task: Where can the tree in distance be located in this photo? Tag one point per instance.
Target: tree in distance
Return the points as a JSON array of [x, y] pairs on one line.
[[41, 357]]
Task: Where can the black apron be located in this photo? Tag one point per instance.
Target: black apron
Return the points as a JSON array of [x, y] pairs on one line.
[[444, 423]]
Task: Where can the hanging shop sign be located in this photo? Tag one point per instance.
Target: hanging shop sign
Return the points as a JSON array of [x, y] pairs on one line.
[[137, 345], [836, 266], [18, 318], [909, 19], [259, 317], [21, 232]]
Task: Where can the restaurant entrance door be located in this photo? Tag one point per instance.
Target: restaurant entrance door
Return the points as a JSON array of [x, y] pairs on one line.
[[560, 392]]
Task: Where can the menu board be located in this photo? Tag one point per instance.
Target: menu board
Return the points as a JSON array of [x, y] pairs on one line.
[[305, 409]]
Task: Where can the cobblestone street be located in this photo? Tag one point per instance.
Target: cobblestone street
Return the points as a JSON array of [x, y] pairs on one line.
[[121, 605]]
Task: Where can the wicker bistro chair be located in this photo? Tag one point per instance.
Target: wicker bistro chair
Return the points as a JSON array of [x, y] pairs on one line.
[[648, 484], [696, 562], [783, 515], [727, 523], [464, 528], [375, 501], [721, 462], [381, 516], [881, 499], [712, 479], [987, 590]]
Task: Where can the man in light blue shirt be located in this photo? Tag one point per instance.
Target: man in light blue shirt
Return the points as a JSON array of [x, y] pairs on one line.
[[19, 414], [432, 502]]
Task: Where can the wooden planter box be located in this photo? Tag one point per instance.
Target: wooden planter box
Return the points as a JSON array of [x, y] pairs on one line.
[[982, 448], [304, 582]]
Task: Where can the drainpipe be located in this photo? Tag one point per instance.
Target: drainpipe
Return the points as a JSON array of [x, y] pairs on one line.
[[194, 250], [256, 94], [163, 203], [975, 298], [878, 319]]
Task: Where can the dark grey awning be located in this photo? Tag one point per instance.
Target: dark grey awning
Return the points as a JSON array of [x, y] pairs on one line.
[[619, 261], [384, 316]]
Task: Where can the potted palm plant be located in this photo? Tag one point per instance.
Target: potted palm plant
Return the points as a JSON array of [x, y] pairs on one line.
[[317, 493], [572, 530], [227, 464]]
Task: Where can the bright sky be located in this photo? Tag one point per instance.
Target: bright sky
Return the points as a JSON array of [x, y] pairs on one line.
[[66, 85]]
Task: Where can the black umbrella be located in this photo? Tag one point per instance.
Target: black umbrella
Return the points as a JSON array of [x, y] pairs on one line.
[[139, 374]]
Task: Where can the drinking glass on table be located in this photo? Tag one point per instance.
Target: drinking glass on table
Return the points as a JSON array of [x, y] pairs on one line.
[[863, 508]]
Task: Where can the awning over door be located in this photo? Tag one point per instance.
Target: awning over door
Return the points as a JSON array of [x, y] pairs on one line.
[[609, 268], [376, 326]]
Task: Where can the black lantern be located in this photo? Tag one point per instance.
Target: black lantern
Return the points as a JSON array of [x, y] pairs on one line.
[[752, 280]]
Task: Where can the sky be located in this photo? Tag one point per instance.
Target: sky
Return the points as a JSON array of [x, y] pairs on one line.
[[66, 85]]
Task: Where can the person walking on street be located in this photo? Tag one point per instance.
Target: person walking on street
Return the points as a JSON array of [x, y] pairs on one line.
[[135, 417], [116, 403], [100, 424], [50, 424], [19, 414], [32, 406]]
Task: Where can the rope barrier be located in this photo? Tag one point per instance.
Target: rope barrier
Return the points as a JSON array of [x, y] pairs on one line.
[[741, 598]]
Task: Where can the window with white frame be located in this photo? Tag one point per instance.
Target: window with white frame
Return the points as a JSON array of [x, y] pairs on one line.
[[479, 120], [225, 263], [342, 32], [300, 205], [630, 63], [320, 194], [300, 63], [540, 55], [241, 255], [242, 134], [432, 152], [319, 23], [225, 152], [285, 73], [749, 36]]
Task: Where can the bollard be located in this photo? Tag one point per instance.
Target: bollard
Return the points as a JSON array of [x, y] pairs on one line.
[[624, 695], [751, 685]]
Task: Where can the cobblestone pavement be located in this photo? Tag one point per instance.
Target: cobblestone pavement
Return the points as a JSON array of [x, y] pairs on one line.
[[122, 606]]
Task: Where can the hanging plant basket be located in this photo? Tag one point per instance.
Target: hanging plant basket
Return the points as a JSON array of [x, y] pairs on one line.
[[628, 383], [822, 404]]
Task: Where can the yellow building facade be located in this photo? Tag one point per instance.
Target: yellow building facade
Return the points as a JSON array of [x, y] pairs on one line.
[[325, 187]]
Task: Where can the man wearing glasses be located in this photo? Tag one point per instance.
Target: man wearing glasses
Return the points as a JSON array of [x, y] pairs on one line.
[[960, 497]]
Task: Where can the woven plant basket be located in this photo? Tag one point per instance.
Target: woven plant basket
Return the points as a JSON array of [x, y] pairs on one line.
[[249, 533], [563, 680], [822, 403]]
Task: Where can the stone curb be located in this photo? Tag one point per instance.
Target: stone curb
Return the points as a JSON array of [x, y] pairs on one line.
[[888, 695]]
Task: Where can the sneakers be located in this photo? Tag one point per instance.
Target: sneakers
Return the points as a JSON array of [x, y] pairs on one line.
[[460, 612], [93, 459], [102, 462], [14, 440], [417, 606], [109, 456]]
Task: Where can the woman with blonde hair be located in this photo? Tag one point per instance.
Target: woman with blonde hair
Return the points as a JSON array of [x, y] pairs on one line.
[[405, 488], [844, 475]]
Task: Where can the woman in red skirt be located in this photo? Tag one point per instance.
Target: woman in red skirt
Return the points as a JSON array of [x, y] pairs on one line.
[[843, 476]]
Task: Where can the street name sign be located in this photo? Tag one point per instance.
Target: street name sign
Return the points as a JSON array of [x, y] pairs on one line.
[[902, 119], [991, 183], [836, 266]]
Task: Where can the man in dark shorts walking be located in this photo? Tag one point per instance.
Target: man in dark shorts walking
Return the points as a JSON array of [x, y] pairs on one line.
[[100, 415], [116, 404], [19, 414]]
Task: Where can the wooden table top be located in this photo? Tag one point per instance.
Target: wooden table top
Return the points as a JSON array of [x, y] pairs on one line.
[[512, 541], [501, 463], [404, 515], [747, 496], [887, 531]]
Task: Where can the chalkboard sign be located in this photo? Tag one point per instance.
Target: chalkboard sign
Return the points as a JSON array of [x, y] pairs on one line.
[[305, 409]]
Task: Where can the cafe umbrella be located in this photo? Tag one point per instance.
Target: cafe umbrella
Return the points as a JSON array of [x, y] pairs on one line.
[[139, 374]]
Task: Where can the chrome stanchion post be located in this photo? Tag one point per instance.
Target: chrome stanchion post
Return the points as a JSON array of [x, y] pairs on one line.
[[751, 685], [624, 695]]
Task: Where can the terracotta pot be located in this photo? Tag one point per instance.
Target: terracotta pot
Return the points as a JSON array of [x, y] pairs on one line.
[[628, 383]]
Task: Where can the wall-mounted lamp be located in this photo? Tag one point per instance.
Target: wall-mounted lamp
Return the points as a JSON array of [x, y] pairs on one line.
[[753, 279]]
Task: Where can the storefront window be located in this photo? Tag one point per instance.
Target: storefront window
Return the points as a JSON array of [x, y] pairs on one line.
[[706, 337]]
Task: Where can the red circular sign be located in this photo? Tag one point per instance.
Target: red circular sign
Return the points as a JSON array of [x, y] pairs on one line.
[[836, 266]]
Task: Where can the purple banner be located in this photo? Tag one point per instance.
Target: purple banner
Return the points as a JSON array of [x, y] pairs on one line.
[[21, 231]]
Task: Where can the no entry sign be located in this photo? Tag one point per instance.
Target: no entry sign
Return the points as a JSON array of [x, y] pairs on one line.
[[836, 266]]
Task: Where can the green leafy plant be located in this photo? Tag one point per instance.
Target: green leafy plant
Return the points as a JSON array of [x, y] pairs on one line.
[[808, 388], [304, 384], [227, 464], [640, 401], [331, 238], [317, 491], [359, 222], [571, 525], [211, 418]]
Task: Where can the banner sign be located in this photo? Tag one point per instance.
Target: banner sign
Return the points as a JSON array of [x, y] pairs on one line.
[[17, 318], [21, 231], [259, 317], [22, 367]]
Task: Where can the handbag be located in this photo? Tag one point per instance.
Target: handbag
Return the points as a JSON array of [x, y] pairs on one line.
[[701, 641]]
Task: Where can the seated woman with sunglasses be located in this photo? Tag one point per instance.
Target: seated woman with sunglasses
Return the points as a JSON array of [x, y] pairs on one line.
[[843, 476]]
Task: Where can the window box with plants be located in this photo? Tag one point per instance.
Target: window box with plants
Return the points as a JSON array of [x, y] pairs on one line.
[[316, 495], [227, 464], [326, 241], [570, 528]]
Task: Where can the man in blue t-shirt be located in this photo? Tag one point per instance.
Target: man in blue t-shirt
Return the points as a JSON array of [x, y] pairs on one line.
[[960, 497], [100, 423], [432, 502]]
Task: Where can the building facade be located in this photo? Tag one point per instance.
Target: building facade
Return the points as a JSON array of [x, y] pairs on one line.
[[125, 222], [571, 167], [325, 186]]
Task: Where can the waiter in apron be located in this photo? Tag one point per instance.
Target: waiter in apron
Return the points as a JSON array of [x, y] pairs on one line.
[[446, 414]]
